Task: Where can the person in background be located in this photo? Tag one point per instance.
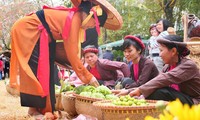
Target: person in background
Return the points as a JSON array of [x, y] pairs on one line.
[[1, 69], [180, 78], [171, 31], [100, 52], [108, 53], [105, 71], [142, 69], [6, 69], [34, 53], [119, 58], [153, 46], [161, 27]]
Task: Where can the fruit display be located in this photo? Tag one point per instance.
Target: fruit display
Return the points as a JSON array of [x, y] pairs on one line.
[[65, 86], [101, 92], [129, 101]]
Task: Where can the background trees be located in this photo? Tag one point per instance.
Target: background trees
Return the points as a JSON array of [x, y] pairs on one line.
[[137, 15]]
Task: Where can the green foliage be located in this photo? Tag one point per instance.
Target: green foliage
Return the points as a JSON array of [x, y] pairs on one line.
[[117, 53], [138, 16]]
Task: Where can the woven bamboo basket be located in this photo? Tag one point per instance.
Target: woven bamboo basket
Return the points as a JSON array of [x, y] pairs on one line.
[[194, 50], [68, 103], [112, 112], [58, 105], [84, 105]]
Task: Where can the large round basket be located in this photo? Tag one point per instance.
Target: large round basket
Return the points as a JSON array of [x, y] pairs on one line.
[[58, 105], [113, 112], [68, 103], [84, 105]]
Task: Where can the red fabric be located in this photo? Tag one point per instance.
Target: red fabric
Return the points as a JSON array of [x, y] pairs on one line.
[[136, 39], [175, 86], [96, 21], [1, 65], [136, 71], [95, 72], [60, 8], [43, 62], [67, 26]]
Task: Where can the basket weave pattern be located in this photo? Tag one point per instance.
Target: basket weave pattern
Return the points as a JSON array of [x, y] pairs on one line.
[[68, 103], [112, 112], [84, 105], [195, 54], [58, 105]]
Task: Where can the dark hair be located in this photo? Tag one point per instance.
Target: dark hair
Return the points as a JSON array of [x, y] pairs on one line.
[[87, 5], [118, 58], [153, 26], [182, 50], [165, 22], [128, 42]]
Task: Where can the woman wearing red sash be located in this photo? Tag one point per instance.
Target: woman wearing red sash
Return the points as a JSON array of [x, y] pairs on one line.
[[33, 54]]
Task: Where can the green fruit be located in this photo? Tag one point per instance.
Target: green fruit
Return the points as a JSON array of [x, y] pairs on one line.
[[160, 105]]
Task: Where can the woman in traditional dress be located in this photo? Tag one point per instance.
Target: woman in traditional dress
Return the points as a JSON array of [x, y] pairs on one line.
[[107, 72], [142, 69], [34, 48], [180, 78]]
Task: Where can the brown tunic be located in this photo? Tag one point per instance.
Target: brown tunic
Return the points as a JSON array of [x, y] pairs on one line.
[[147, 71], [186, 75], [110, 71]]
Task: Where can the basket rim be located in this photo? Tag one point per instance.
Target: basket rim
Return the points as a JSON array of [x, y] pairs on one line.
[[103, 105], [87, 98]]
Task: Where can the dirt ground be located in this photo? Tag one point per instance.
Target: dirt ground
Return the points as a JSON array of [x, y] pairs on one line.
[[10, 108]]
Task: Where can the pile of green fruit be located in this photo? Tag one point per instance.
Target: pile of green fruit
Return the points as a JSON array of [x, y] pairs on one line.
[[65, 86], [101, 92], [129, 101]]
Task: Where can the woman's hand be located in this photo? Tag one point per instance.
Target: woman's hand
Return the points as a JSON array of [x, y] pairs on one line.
[[115, 91], [123, 92], [94, 82], [135, 92]]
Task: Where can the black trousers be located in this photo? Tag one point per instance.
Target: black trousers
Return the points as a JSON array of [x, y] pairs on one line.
[[170, 94]]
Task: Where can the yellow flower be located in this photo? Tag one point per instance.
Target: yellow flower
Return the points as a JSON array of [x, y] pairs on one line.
[[175, 110]]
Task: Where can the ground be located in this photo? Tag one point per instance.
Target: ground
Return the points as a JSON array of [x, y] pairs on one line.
[[10, 108]]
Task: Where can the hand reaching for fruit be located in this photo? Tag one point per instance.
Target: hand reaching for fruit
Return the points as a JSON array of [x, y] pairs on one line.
[[94, 82], [135, 92]]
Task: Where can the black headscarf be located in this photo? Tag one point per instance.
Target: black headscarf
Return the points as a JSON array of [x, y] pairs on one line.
[[86, 6]]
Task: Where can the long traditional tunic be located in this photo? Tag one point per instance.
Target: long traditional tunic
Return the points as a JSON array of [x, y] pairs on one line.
[[147, 71], [25, 35], [186, 75], [110, 71]]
